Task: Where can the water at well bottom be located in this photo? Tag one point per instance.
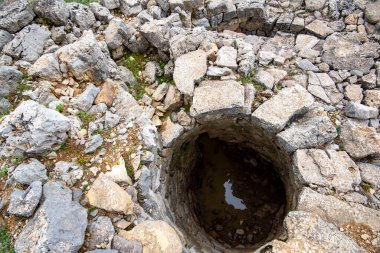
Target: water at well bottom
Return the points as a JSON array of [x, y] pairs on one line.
[[240, 198]]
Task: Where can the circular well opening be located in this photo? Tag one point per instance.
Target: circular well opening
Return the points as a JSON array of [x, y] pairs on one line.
[[228, 187], [238, 197]]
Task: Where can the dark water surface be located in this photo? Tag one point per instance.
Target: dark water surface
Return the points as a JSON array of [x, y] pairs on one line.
[[239, 196]]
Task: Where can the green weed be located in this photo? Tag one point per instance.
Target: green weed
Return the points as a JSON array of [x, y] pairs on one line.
[[5, 242], [60, 107], [85, 2]]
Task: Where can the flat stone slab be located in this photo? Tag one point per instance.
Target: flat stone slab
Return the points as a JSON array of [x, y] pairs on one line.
[[215, 97], [360, 141], [328, 168], [226, 57], [307, 231], [336, 211], [188, 69], [275, 113], [308, 134]]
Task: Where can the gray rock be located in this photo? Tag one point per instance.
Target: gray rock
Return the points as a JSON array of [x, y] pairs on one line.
[[54, 11], [111, 120], [372, 12], [218, 71], [226, 57], [125, 246], [313, 5], [5, 60], [251, 8], [172, 99], [370, 173], [93, 143], [23, 203], [58, 34], [360, 140], [186, 42], [275, 113], [170, 132], [81, 15], [46, 67], [101, 232], [15, 15], [84, 59], [359, 111], [329, 89], [349, 51], [218, 97], [103, 251], [27, 173], [284, 21], [9, 80], [189, 68], [32, 129], [117, 33], [308, 231], [101, 13], [369, 81], [68, 172], [319, 28], [160, 92], [5, 37], [332, 169], [58, 225], [265, 78], [341, 8], [311, 133], [157, 33], [305, 64], [110, 4], [5, 106], [28, 44], [150, 72], [130, 7], [336, 211], [85, 100], [246, 57]]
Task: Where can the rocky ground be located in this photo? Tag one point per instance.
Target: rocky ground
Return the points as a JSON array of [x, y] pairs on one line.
[[93, 98]]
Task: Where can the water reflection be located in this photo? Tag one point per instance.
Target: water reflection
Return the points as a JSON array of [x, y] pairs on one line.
[[231, 199]]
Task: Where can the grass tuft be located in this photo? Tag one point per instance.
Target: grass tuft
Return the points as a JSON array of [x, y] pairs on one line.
[[5, 241]]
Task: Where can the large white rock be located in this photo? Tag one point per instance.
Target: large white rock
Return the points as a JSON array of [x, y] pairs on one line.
[[360, 141], [170, 132], [226, 57], [275, 113], [32, 128], [215, 97], [188, 69], [85, 59], [155, 236], [330, 168], [58, 225], [336, 211], [108, 195], [307, 232]]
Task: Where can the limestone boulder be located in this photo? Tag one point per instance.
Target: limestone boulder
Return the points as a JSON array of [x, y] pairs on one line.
[[350, 51], [58, 225], [108, 195], [32, 129], [274, 114], [359, 140], [155, 237], [189, 68], [330, 168], [15, 15], [336, 211], [28, 44], [85, 59], [308, 232], [218, 97], [55, 11]]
